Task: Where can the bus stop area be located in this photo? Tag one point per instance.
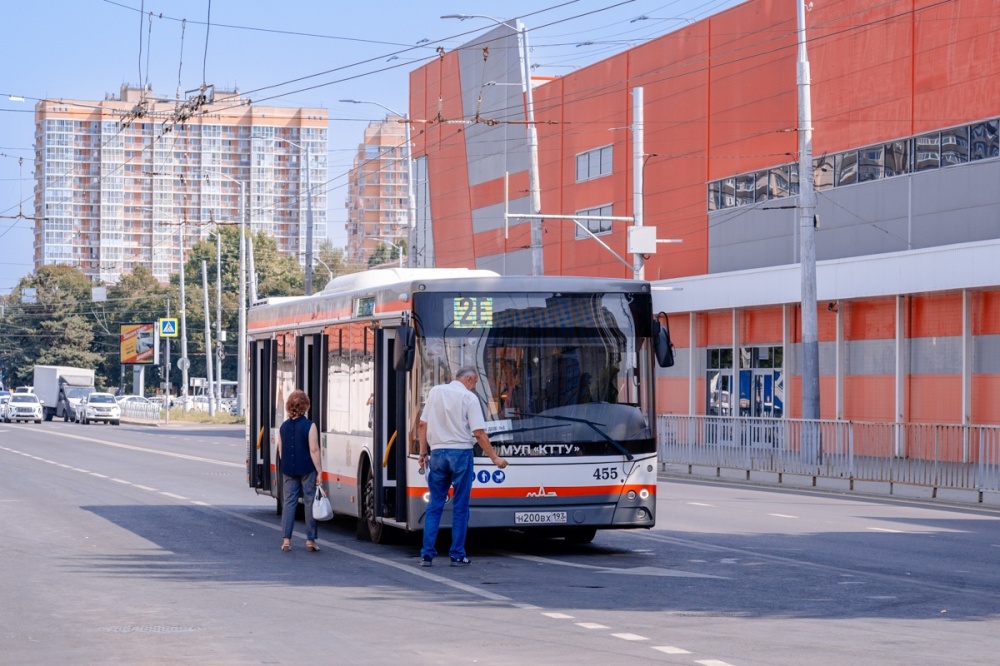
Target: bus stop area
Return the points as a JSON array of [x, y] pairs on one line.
[[937, 462]]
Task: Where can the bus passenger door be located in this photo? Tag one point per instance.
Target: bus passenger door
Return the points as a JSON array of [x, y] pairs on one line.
[[389, 446], [260, 415], [310, 375]]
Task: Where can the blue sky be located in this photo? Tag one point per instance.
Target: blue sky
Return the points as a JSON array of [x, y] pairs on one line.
[[85, 49]]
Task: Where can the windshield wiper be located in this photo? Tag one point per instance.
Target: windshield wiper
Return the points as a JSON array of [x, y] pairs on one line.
[[593, 426]]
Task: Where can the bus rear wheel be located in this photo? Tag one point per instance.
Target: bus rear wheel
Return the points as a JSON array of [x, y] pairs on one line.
[[369, 529]]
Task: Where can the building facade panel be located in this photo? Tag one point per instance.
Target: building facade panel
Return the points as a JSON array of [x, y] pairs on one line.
[[906, 118]]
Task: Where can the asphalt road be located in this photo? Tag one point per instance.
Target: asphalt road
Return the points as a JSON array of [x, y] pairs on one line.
[[141, 545]]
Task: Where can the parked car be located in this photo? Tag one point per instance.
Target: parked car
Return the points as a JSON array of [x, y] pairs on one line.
[[132, 398], [100, 407], [23, 407], [24, 389]]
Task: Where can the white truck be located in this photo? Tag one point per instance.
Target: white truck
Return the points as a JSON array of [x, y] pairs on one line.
[[60, 388]]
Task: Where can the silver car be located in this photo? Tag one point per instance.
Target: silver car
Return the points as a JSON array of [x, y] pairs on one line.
[[100, 407]]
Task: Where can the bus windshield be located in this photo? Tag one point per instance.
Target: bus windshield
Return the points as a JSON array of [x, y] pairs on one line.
[[560, 374]]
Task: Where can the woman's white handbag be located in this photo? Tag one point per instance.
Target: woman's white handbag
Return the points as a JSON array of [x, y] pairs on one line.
[[321, 505]]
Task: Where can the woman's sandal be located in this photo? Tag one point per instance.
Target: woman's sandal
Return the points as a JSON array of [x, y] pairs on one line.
[[312, 547], [286, 547]]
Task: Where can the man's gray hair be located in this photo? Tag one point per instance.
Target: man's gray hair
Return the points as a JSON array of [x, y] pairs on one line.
[[467, 371]]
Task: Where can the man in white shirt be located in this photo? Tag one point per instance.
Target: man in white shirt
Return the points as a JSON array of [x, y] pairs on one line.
[[450, 426]]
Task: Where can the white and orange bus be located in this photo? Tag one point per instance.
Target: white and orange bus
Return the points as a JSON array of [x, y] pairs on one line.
[[566, 384]]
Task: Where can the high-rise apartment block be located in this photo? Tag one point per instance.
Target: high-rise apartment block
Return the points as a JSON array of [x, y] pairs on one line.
[[130, 181], [377, 203]]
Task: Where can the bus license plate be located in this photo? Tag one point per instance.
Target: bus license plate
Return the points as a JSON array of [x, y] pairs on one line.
[[539, 517]]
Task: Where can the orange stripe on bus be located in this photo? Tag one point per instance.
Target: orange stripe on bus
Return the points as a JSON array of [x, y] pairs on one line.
[[531, 491]]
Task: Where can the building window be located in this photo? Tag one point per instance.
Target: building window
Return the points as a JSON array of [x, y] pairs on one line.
[[596, 227], [593, 163], [949, 147], [984, 140], [755, 388]]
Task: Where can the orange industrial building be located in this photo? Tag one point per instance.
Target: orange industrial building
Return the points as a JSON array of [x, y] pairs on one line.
[[905, 108]]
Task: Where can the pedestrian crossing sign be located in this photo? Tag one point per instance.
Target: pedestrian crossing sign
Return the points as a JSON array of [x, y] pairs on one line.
[[168, 328]]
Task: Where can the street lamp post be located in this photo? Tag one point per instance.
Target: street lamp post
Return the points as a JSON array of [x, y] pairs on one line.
[[398, 249], [411, 205], [534, 184], [242, 337], [309, 214]]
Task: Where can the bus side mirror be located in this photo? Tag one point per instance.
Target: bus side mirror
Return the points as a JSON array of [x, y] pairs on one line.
[[663, 348], [404, 349]]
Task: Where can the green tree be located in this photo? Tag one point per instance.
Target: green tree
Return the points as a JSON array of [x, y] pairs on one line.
[[330, 263], [54, 329], [385, 254], [276, 276]]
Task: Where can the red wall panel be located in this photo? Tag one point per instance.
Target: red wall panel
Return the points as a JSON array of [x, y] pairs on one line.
[[986, 313], [715, 329], [672, 395], [935, 398], [869, 398], [986, 399], [761, 327], [870, 320], [935, 316]]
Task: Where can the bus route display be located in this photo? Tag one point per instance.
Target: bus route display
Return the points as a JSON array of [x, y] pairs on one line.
[[472, 312]]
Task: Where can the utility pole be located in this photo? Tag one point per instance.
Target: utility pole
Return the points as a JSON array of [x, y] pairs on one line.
[[638, 158], [208, 340], [534, 184], [218, 316], [183, 362], [166, 372], [807, 227]]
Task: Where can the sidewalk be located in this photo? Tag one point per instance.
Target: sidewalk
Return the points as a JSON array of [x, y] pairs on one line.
[[850, 487]]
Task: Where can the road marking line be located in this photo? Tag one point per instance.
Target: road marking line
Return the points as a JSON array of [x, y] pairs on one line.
[[700, 504], [180, 497], [591, 625], [558, 616], [171, 454], [199, 503], [713, 662], [781, 515], [127, 483], [883, 529], [635, 571], [152, 490], [99, 476], [670, 649], [630, 637]]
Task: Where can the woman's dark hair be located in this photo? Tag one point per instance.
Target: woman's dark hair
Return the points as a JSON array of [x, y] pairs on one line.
[[297, 404]]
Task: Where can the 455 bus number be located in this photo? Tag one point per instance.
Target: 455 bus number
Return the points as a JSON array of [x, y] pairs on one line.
[[606, 473]]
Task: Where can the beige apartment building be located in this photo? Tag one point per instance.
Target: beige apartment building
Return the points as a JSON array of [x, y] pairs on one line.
[[377, 203], [136, 180]]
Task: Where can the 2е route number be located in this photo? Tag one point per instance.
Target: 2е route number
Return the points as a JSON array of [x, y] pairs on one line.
[[606, 473]]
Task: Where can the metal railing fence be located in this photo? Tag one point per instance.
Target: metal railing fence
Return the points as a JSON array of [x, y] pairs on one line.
[[923, 454]]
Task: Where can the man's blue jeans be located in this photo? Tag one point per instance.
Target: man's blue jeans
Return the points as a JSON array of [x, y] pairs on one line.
[[306, 485], [446, 468]]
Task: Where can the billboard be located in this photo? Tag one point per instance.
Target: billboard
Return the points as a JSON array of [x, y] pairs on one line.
[[137, 344]]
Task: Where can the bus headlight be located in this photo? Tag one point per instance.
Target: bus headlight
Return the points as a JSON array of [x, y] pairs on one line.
[[427, 497], [644, 494], [630, 495]]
